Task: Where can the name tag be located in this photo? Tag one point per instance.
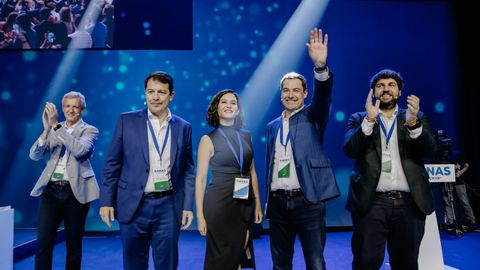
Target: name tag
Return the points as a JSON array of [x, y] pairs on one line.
[[386, 161], [59, 172], [161, 180], [241, 188], [284, 167]]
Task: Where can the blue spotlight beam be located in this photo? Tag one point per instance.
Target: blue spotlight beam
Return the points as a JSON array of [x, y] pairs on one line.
[[60, 83], [91, 14], [286, 53]]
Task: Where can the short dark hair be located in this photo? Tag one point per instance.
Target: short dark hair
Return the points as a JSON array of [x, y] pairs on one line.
[[387, 74], [212, 112], [291, 76], [161, 76]]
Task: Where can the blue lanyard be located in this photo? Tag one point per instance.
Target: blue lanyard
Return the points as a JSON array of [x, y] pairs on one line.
[[62, 151], [240, 145], [281, 137], [154, 137], [390, 132]]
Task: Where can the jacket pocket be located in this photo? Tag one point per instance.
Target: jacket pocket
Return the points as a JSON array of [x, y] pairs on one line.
[[122, 184], [87, 174]]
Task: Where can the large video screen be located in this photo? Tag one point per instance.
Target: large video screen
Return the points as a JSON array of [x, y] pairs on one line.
[[95, 24]]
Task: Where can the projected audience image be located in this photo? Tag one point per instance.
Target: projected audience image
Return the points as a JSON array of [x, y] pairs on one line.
[[56, 24]]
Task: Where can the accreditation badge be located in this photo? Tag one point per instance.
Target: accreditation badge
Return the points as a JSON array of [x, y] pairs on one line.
[[241, 188], [284, 167], [386, 161], [59, 172], [161, 180]]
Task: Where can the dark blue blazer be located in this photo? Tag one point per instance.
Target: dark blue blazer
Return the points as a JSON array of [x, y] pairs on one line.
[[127, 165], [307, 128]]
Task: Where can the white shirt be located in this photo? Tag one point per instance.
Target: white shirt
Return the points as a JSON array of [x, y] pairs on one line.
[[281, 151], [160, 130], [395, 179]]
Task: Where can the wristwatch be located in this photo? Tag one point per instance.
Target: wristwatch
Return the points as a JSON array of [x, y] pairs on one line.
[[57, 127], [417, 125], [318, 70]]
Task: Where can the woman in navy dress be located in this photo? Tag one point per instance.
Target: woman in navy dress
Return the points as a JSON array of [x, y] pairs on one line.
[[231, 204]]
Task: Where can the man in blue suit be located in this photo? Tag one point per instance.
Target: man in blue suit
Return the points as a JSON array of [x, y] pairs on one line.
[[148, 179], [299, 174]]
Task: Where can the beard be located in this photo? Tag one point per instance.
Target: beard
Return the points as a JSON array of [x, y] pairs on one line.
[[390, 104]]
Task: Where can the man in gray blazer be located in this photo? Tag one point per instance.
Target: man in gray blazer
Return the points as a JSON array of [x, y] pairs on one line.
[[67, 185]]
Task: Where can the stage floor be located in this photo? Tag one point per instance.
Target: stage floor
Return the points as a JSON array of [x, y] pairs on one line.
[[104, 251]]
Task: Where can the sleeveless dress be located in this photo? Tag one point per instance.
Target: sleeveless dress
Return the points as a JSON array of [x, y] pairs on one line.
[[227, 218]]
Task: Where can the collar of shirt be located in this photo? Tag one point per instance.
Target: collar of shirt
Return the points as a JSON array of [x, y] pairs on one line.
[[151, 116], [72, 127], [384, 116], [293, 113]]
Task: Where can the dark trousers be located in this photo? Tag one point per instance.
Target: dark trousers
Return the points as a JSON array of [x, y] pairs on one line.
[[462, 198], [154, 223], [292, 215], [396, 222], [58, 203]]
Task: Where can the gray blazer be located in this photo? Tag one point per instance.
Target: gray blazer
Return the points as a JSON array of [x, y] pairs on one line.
[[80, 146]]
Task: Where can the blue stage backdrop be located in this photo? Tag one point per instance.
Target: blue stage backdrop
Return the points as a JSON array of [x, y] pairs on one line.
[[245, 46]]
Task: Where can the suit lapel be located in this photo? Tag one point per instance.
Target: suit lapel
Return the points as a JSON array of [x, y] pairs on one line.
[[275, 130], [174, 128], [401, 130], [272, 142], [144, 135], [77, 131], [378, 141], [292, 126]]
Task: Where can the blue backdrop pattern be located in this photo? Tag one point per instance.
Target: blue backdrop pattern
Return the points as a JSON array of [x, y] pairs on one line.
[[231, 38]]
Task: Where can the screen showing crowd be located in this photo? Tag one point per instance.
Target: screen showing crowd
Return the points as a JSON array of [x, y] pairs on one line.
[[56, 24], [95, 25]]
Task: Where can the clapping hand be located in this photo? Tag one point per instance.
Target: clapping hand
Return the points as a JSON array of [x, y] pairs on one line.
[[413, 107], [372, 110], [52, 114]]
